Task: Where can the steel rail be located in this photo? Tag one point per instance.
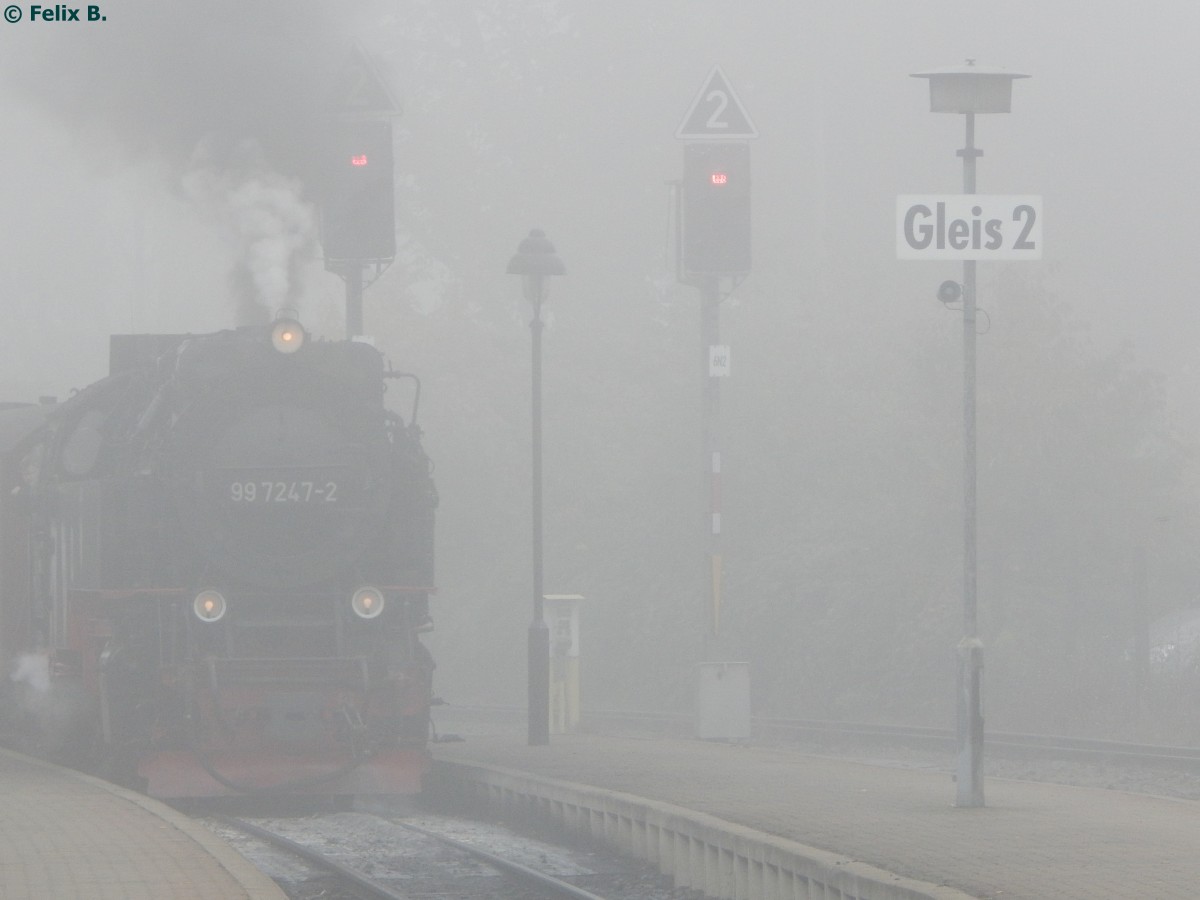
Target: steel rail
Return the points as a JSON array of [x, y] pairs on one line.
[[373, 889], [1174, 757], [547, 884], [1013, 743], [540, 880]]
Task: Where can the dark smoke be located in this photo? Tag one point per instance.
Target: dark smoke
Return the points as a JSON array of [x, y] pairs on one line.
[[160, 77], [234, 97]]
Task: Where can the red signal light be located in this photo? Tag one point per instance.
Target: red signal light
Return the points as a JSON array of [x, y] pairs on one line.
[[359, 159], [719, 177]]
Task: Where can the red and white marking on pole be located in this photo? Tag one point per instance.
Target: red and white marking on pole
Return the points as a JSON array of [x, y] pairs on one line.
[[715, 492]]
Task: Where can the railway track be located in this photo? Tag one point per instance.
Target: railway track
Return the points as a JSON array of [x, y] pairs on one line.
[[359, 884], [547, 884], [1014, 745], [355, 856]]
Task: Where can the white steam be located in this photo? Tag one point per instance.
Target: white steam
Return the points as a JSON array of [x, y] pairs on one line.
[[274, 229], [32, 669]]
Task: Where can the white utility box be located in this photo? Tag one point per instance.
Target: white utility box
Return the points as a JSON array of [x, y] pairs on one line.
[[723, 701]]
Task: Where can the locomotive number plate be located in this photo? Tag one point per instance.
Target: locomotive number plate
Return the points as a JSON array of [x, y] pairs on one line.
[[306, 487]]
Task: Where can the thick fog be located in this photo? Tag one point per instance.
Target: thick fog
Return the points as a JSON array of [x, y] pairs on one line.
[[157, 177]]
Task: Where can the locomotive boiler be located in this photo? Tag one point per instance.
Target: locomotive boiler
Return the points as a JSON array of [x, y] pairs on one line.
[[215, 568]]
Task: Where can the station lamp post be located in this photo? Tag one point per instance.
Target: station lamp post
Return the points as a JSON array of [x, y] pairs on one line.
[[534, 261], [969, 90]]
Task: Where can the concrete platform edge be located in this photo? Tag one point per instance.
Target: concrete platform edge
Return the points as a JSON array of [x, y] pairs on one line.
[[257, 885], [699, 851]]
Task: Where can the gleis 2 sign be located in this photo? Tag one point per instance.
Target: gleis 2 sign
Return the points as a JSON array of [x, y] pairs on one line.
[[969, 226]]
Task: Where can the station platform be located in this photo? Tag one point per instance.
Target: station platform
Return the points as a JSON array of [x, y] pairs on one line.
[[1031, 841], [67, 836]]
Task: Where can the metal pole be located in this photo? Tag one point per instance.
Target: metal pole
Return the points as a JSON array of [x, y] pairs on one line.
[[970, 648], [1141, 625], [711, 337], [354, 300], [539, 634]]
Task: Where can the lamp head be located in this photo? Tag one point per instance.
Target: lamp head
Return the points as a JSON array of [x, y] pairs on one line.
[[534, 260], [287, 336], [970, 88]]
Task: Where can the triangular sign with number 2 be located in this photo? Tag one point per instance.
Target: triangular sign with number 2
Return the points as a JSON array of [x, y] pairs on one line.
[[716, 113]]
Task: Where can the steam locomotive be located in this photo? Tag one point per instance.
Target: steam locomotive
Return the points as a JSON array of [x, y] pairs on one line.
[[215, 567]]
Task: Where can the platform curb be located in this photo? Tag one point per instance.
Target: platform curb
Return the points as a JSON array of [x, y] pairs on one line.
[[256, 883], [699, 851]]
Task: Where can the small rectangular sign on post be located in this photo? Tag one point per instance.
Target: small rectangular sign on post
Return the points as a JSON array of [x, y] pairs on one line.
[[718, 361], [969, 226]]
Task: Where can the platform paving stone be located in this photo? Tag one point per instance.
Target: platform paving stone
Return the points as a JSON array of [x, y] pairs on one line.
[[65, 836], [1031, 841]]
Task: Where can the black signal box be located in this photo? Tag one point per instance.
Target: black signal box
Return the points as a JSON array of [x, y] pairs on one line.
[[358, 220], [716, 208]]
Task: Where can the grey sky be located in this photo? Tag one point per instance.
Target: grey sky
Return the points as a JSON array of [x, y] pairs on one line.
[[129, 196], [1102, 130]]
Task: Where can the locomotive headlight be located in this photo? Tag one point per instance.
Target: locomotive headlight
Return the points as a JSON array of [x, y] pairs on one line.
[[210, 606], [367, 603], [287, 335]]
